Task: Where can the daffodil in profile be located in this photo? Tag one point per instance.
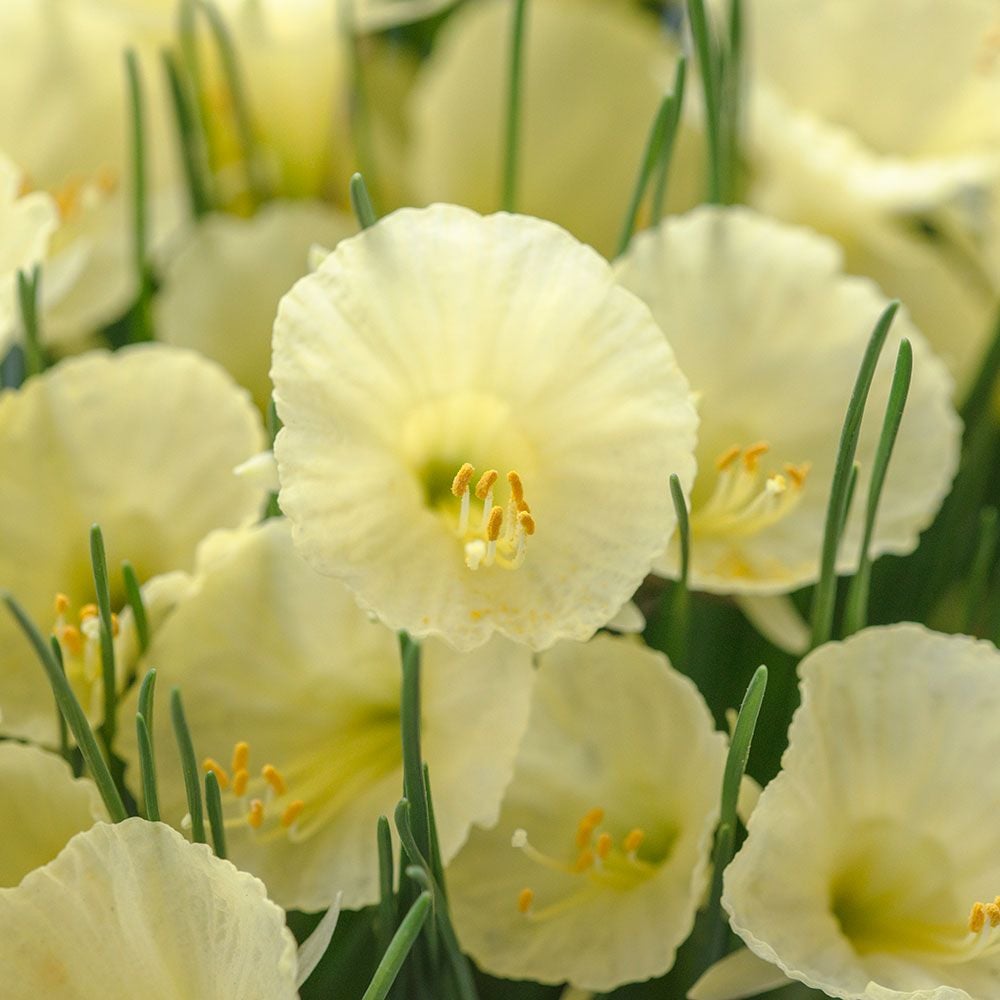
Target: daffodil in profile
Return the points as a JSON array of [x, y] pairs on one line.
[[870, 869], [134, 909], [771, 333], [41, 807], [877, 124], [479, 427], [595, 869], [142, 442], [292, 695], [594, 74]]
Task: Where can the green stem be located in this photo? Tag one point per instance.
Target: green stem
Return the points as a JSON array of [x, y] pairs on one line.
[[670, 138], [147, 769], [133, 595], [514, 86], [386, 900], [399, 947], [191, 136]]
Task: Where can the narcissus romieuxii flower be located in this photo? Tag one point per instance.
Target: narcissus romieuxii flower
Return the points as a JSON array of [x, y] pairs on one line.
[[133, 909], [41, 806], [599, 860], [871, 858], [221, 290], [509, 415], [771, 334], [26, 223], [142, 442], [877, 123], [292, 694], [594, 75]]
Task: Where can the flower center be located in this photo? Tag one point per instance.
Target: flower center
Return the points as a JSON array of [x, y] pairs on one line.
[[597, 860], [79, 193], [496, 535], [80, 646], [745, 501]]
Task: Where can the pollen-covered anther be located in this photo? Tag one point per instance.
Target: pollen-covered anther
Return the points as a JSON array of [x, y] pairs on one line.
[[527, 522], [88, 611], [494, 524], [71, 638], [587, 825], [255, 815], [524, 900], [584, 860], [485, 485], [292, 812], [61, 604], [210, 764], [240, 780], [241, 756], [274, 779], [752, 456], [633, 841], [603, 845]]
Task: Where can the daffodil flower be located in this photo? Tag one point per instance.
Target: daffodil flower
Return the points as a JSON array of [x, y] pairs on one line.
[[479, 427], [292, 695], [771, 333], [142, 442], [600, 857], [870, 869]]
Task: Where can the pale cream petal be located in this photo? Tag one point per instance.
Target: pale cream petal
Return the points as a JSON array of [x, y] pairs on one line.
[[629, 619], [876, 992], [41, 806], [737, 976], [777, 619], [267, 651], [865, 854], [313, 948], [771, 334], [594, 75], [612, 726], [220, 292], [134, 909], [439, 337], [142, 442]]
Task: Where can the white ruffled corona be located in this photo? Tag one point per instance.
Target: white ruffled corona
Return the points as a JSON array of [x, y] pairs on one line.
[[771, 333], [479, 427], [870, 869], [593, 872]]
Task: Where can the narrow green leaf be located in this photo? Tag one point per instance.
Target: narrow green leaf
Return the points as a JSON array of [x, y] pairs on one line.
[[213, 805], [189, 766], [72, 712], [983, 567], [133, 595], [142, 324], [399, 947], [825, 595], [413, 771], [511, 151], [28, 286], [99, 564], [64, 748], [386, 901], [683, 526], [437, 868], [147, 769], [725, 838], [191, 138], [856, 610], [708, 68], [669, 140], [361, 203], [977, 402]]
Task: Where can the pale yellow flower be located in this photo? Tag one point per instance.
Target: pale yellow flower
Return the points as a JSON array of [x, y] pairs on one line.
[[771, 334], [509, 418], [877, 123], [221, 289], [133, 910], [600, 856], [41, 806], [867, 853], [594, 75], [142, 442], [292, 695]]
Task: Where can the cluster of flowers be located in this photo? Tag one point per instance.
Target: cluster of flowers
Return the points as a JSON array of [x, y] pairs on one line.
[[493, 433]]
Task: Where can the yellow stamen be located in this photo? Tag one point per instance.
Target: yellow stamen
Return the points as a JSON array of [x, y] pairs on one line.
[[527, 522], [255, 817], [210, 764], [524, 900], [241, 756], [494, 524], [587, 825], [273, 777], [115, 627], [62, 604], [516, 488], [71, 638], [977, 918], [292, 812], [88, 611], [486, 482], [240, 779], [752, 455], [461, 481], [584, 860], [797, 473], [604, 845], [727, 458], [633, 839]]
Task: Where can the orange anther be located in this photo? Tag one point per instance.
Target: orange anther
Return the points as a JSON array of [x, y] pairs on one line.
[[62, 604], [727, 458], [977, 918], [633, 839], [292, 812], [753, 454], [461, 481], [88, 611], [273, 777], [240, 779], [604, 845], [993, 913], [524, 900], [797, 473], [584, 860], [486, 482], [527, 522], [70, 637], [210, 764], [241, 757], [494, 524], [256, 814], [516, 488]]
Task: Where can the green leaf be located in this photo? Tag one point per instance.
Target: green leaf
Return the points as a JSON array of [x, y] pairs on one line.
[[189, 766], [133, 595], [508, 199], [28, 284], [191, 135], [361, 203], [99, 564], [147, 769], [669, 139], [213, 805], [386, 921], [142, 325], [399, 947]]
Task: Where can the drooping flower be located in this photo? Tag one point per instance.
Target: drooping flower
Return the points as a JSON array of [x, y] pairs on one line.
[[600, 856], [142, 442], [594, 74], [509, 417], [771, 334], [292, 694], [41, 807], [133, 909], [871, 865], [878, 126], [221, 290]]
